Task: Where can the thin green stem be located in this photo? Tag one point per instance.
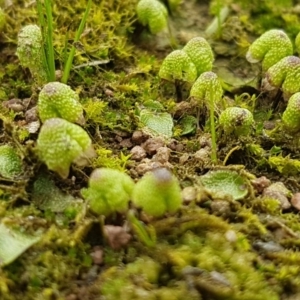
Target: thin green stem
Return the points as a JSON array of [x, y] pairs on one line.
[[148, 237], [42, 24], [212, 126], [68, 64], [49, 40]]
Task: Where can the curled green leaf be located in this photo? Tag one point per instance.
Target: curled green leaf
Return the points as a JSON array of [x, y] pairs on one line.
[[285, 74], [200, 53], [178, 66], [58, 100], [61, 143], [152, 13], [270, 48], [207, 83]]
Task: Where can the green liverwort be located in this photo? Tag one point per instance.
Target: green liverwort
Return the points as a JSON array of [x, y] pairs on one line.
[[152, 13], [58, 100], [177, 66], [291, 116], [61, 143], [270, 48], [109, 191], [236, 120], [31, 53], [285, 74], [10, 162], [200, 53], [206, 83], [157, 192]]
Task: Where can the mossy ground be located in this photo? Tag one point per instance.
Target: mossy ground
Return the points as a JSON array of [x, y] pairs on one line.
[[212, 248]]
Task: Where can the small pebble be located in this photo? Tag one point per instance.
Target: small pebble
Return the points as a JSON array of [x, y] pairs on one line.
[[295, 201], [162, 155], [152, 144], [138, 153], [260, 183]]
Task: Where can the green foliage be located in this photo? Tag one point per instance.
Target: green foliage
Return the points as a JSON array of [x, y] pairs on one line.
[[57, 100], [236, 120], [157, 192], [157, 123], [45, 14], [46, 24], [94, 110], [270, 48], [69, 62], [152, 13], [285, 165], [60, 143], [106, 158], [178, 66], [225, 183], [109, 191]]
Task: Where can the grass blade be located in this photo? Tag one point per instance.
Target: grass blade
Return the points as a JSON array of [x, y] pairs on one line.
[[69, 62]]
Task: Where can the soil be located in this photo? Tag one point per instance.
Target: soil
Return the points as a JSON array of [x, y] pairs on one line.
[[234, 238]]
